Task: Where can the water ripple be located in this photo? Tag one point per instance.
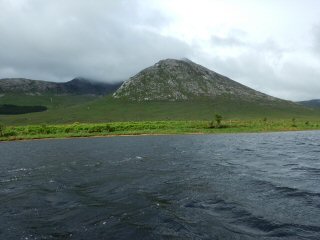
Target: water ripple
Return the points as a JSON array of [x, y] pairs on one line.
[[246, 186]]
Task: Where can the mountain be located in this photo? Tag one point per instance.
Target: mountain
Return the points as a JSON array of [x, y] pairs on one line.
[[77, 86], [314, 103], [174, 80], [84, 86], [169, 90]]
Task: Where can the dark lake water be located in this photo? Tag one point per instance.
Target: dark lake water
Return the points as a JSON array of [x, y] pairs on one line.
[[245, 186]]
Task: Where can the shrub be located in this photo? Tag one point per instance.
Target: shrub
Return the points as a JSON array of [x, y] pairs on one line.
[[112, 129], [218, 119], [68, 129], [100, 128], [217, 122], [43, 129], [265, 120], [211, 124], [10, 133], [95, 129]]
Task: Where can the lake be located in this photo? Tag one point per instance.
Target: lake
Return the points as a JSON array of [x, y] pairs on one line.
[[234, 186]]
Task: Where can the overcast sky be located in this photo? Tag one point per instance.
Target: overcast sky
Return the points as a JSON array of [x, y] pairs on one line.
[[270, 45]]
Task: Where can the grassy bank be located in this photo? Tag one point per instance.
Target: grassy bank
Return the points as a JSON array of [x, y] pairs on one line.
[[8, 133]]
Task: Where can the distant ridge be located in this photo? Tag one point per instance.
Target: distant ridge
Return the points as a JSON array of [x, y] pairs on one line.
[[176, 80], [314, 103], [77, 86]]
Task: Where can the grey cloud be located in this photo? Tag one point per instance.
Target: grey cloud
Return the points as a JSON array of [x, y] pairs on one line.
[[316, 39], [106, 40], [264, 67], [229, 41], [112, 40]]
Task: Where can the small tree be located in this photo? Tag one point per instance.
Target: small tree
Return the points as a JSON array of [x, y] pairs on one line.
[[218, 119], [294, 122], [2, 130]]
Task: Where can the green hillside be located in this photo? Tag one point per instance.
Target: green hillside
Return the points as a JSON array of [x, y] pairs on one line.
[[54, 104], [88, 109], [50, 101]]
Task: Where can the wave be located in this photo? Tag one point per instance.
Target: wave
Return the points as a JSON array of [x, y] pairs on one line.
[[285, 190], [237, 219]]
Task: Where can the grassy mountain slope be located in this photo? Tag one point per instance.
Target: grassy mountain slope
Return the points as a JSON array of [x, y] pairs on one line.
[[107, 109], [53, 103], [48, 100]]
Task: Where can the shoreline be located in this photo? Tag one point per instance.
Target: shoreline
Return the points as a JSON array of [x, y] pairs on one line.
[[149, 128], [150, 134], [103, 136]]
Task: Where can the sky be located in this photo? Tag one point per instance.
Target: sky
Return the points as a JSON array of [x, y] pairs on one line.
[[270, 45]]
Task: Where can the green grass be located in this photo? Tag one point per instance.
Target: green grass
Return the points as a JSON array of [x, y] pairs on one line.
[[56, 105], [84, 116], [150, 127], [50, 101], [65, 109]]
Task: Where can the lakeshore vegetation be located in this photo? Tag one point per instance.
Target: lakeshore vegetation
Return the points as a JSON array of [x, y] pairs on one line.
[[8, 133]]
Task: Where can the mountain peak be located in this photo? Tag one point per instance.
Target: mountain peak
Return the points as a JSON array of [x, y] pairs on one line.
[[186, 60], [172, 79], [172, 61], [80, 79]]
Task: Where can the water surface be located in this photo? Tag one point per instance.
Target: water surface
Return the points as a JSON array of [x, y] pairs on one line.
[[244, 186]]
